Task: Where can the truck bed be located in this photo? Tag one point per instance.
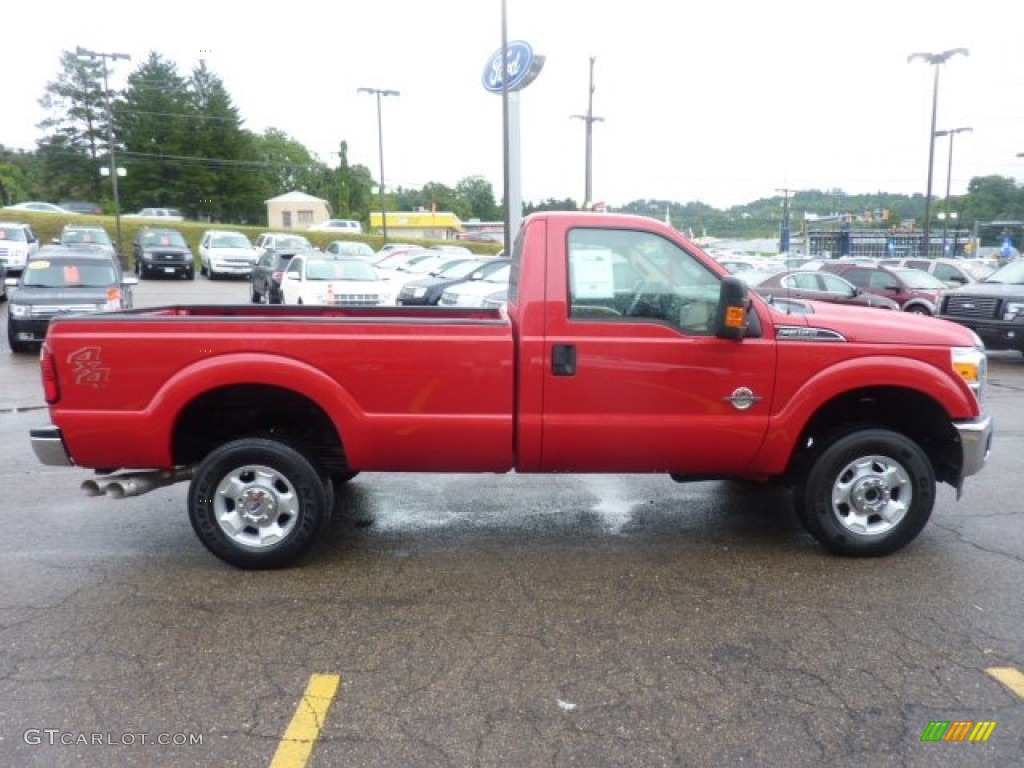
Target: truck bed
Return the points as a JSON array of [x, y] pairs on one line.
[[408, 389]]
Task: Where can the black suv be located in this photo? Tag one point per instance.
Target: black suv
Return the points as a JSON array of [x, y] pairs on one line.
[[58, 281], [162, 251], [265, 287]]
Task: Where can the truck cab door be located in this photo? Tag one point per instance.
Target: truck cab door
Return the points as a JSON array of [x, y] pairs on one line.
[[634, 379]]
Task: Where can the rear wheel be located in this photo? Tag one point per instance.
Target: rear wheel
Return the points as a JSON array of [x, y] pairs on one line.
[[867, 493], [258, 503]]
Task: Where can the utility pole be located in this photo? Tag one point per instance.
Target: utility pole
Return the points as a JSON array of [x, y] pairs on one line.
[[589, 119], [83, 53], [784, 228]]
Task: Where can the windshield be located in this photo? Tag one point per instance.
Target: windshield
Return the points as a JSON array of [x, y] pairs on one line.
[[500, 275], [925, 281], [321, 269], [230, 241], [164, 238], [69, 274], [1011, 274], [16, 234], [294, 241], [85, 236], [458, 269]]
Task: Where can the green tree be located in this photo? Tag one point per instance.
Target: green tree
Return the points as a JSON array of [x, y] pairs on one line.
[[223, 182], [475, 199], [155, 119], [76, 129]]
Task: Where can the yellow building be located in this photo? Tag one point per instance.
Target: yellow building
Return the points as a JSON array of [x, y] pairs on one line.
[[422, 225]]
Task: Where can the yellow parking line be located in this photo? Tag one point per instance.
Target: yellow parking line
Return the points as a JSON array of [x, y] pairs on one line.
[[299, 739], [1010, 677]]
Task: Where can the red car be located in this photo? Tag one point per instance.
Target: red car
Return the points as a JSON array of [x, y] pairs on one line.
[[816, 285], [914, 290]]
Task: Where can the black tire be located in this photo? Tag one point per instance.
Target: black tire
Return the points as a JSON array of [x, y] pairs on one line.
[[203, 272], [17, 346], [190, 273], [867, 493], [254, 295], [248, 489]]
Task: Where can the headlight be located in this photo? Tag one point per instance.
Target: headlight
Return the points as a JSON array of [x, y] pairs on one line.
[[1013, 309], [19, 310], [971, 364]]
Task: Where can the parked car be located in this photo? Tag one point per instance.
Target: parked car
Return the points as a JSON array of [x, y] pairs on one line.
[[81, 206], [348, 282], [270, 241], [739, 265], [458, 250], [39, 207], [160, 251], [59, 281], [394, 259], [91, 237], [993, 308], [389, 247], [353, 248], [472, 293], [3, 282], [817, 285], [427, 291], [265, 280], [953, 272], [17, 243], [166, 214], [339, 225], [225, 252], [914, 290]]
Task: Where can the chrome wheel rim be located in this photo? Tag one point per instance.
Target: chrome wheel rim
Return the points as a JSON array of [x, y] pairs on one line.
[[256, 506], [871, 495]]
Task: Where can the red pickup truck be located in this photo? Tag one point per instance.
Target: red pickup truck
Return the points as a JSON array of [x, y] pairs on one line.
[[622, 348]]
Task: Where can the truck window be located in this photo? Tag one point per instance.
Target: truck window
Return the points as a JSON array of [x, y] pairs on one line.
[[627, 275]]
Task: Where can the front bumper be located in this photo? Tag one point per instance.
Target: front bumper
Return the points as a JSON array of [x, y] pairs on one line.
[[975, 445], [48, 446], [27, 329]]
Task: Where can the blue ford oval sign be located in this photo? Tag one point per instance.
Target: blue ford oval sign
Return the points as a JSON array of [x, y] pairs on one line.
[[523, 67]]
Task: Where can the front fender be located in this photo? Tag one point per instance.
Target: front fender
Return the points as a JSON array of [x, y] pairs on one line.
[[788, 422]]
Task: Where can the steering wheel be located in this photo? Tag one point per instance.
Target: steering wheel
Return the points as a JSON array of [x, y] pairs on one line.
[[644, 293]]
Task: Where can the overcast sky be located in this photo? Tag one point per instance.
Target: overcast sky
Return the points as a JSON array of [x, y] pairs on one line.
[[723, 102]]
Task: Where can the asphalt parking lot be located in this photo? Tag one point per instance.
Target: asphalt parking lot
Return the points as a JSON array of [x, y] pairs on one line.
[[506, 621]]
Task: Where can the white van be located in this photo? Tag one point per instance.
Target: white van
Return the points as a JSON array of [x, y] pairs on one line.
[[339, 225]]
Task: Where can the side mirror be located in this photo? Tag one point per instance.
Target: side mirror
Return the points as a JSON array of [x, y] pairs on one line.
[[731, 313]]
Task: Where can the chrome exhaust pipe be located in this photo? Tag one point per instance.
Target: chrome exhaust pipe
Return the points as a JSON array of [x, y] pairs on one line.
[[96, 486], [135, 483]]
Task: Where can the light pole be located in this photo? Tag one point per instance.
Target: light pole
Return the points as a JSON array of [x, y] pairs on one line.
[[949, 175], [935, 59], [87, 54], [378, 92], [589, 119], [784, 229]]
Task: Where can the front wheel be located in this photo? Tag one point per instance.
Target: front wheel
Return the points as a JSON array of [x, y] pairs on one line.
[[257, 503], [868, 493]]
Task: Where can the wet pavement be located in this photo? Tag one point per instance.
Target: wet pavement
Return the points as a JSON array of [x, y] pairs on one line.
[[506, 621]]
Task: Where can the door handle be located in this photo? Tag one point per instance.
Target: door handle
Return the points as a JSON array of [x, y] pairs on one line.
[[563, 359]]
